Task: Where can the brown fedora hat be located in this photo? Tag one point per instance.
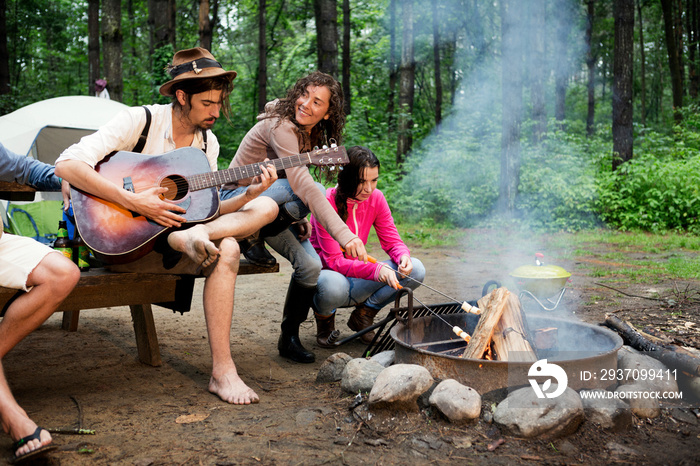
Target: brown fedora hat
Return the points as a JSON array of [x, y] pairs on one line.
[[196, 63]]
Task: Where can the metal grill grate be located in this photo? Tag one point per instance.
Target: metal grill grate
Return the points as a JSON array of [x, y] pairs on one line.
[[382, 340]]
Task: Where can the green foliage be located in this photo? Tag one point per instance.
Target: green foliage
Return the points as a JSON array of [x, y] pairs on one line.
[[557, 185], [452, 178], [652, 193], [452, 175]]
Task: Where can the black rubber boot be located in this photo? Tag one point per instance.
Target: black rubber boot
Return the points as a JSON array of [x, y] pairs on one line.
[[296, 310], [282, 222], [253, 248]]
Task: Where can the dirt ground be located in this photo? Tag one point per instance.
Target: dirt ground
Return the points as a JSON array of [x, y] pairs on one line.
[[146, 415]]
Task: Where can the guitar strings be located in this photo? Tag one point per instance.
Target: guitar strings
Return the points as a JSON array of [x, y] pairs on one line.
[[183, 182]]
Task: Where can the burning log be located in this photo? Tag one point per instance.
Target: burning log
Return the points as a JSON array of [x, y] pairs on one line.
[[492, 309], [501, 332], [633, 338], [510, 338]]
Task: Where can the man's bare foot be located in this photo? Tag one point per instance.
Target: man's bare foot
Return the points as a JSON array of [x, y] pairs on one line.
[[196, 244], [232, 389]]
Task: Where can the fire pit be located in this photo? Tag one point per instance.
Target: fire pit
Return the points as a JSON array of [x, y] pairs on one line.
[[581, 349]]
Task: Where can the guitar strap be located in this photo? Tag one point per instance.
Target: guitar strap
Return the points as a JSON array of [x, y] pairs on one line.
[[144, 134]]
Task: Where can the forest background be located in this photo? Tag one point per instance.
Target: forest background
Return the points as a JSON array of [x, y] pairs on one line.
[[546, 114]]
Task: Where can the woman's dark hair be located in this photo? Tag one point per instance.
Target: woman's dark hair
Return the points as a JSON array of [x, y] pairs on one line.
[[349, 177], [325, 130], [195, 86]]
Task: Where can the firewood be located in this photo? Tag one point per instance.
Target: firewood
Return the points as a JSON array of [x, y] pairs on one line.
[[510, 340], [633, 338], [492, 306]]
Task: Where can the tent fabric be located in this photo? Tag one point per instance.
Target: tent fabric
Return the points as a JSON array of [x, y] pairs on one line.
[[38, 220], [44, 129]]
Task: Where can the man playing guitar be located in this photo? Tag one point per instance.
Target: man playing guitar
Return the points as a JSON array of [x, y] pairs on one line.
[[199, 89]]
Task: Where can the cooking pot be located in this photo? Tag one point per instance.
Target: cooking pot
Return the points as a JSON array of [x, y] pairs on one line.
[[542, 281]]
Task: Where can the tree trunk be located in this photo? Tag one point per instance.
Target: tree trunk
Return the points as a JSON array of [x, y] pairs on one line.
[[511, 75], [436, 58], [623, 12], [391, 107], [4, 55], [205, 32], [590, 63], [407, 76], [692, 18], [112, 47], [678, 30], [346, 57], [642, 69], [326, 12], [561, 72], [673, 59], [449, 59], [536, 31], [130, 73], [160, 19], [262, 55], [93, 44]]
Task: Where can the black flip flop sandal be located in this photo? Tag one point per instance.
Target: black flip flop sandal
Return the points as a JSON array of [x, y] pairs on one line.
[[32, 454]]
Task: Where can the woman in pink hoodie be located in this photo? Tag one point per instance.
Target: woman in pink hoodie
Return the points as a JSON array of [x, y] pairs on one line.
[[346, 281]]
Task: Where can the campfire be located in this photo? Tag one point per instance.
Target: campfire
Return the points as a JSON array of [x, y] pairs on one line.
[[501, 333], [496, 343]]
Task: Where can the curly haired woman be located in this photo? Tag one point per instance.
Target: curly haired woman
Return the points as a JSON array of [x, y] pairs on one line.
[[311, 115]]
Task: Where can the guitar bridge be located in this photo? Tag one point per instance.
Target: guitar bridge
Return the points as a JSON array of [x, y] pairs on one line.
[[128, 184]]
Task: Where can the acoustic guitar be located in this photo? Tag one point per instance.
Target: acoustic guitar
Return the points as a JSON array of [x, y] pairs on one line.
[[117, 235]]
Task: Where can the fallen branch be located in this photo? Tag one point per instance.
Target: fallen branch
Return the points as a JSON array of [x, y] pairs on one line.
[[627, 294], [633, 338]]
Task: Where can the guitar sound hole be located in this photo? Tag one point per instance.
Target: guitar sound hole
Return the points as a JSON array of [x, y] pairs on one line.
[[176, 186]]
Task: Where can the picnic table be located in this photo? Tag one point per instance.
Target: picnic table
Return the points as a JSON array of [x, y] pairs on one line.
[[12, 191], [99, 288]]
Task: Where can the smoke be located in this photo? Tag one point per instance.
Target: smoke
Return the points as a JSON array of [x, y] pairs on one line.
[[454, 173]]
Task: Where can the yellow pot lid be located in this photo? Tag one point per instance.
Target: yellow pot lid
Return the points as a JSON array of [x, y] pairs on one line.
[[540, 271]]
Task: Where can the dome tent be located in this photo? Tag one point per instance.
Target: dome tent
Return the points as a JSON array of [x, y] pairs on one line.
[[44, 129]]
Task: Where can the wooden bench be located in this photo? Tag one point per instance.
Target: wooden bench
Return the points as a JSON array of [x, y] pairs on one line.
[[99, 288]]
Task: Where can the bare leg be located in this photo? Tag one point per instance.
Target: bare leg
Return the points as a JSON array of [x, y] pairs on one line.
[[218, 310], [15, 421], [52, 280], [197, 242]]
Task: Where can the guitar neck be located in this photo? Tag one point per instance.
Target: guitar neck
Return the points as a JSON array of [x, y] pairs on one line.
[[217, 178]]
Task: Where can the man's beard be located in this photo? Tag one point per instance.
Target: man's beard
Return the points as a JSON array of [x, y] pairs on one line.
[[205, 125]]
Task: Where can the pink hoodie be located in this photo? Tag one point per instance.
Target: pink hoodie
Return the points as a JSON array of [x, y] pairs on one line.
[[361, 216]]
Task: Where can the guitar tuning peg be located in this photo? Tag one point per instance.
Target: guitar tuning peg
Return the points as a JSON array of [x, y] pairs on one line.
[[334, 143], [340, 167], [332, 167]]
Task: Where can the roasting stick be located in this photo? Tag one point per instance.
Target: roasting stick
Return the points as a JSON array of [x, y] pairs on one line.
[[458, 331], [465, 305]]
